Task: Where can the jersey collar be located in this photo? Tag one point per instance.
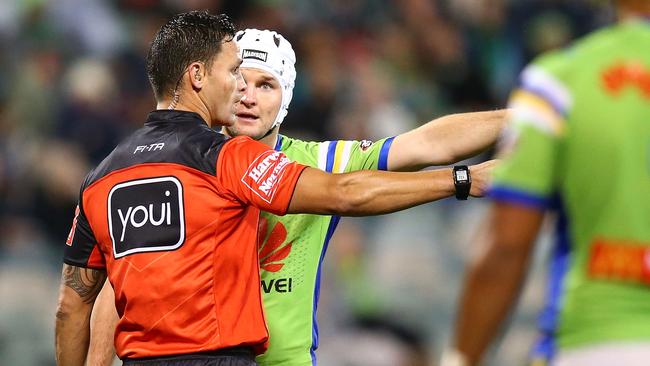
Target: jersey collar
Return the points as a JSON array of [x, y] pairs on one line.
[[164, 115], [278, 143]]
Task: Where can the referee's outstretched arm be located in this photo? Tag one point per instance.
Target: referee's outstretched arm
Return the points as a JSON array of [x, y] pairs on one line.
[[366, 193]]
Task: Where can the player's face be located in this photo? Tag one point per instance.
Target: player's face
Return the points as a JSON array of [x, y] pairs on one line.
[[256, 113], [227, 85]]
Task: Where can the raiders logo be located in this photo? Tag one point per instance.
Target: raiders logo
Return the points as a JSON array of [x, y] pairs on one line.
[[365, 145]]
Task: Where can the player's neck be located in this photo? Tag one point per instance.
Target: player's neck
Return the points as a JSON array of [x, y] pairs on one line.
[[271, 139], [622, 18], [634, 10]]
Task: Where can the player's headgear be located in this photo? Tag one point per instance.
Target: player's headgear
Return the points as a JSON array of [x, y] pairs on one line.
[[269, 51]]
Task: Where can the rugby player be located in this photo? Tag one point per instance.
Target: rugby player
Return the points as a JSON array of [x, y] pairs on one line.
[[292, 247], [580, 141]]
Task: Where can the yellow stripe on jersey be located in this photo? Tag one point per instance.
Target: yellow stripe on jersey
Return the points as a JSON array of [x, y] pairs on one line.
[[530, 108], [341, 156]]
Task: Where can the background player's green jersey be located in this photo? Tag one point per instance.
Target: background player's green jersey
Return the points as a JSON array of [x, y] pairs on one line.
[[292, 248], [580, 140]]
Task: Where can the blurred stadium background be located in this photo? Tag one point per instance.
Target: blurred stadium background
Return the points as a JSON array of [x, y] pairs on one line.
[[72, 83]]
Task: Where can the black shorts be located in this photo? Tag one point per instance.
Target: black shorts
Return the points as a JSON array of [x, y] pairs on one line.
[[238, 356]]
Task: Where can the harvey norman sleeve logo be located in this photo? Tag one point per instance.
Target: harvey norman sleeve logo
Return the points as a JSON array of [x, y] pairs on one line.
[[146, 215], [263, 176]]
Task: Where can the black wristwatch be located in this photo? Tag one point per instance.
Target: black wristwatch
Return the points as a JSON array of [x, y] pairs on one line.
[[462, 181]]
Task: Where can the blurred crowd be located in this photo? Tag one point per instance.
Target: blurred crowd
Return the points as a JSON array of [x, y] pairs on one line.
[[72, 83]]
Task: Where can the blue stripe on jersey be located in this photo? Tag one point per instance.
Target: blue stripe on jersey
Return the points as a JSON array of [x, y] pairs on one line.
[[314, 332], [383, 154], [331, 151], [278, 144], [517, 196], [546, 348], [329, 165], [548, 97]]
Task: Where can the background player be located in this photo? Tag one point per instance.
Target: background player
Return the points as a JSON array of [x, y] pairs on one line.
[[580, 138]]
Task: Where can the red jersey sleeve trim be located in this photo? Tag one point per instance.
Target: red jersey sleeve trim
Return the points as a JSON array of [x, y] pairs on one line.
[[301, 169]]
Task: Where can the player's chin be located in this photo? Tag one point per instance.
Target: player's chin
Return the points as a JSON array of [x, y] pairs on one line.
[[230, 121], [253, 132], [248, 124]]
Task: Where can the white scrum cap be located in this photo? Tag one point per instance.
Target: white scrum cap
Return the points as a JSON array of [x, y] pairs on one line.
[[271, 52]]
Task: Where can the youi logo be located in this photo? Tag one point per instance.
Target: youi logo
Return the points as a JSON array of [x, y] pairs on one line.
[[146, 215]]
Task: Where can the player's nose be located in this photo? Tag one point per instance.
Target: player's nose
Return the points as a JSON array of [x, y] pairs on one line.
[[249, 96]]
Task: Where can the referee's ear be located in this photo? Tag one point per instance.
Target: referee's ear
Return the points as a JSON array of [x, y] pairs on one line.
[[196, 73]]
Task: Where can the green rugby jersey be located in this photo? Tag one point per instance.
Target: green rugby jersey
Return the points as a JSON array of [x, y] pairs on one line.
[[292, 247], [579, 143]]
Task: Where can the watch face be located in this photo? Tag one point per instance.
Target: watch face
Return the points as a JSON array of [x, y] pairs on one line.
[[461, 175]]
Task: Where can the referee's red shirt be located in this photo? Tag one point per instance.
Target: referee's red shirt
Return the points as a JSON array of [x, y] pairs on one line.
[[171, 214]]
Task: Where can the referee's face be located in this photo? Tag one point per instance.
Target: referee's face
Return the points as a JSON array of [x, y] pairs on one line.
[[226, 86]]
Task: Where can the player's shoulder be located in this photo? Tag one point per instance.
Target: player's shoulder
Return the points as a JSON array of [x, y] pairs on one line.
[[602, 42], [565, 61], [617, 36], [301, 151], [287, 143]]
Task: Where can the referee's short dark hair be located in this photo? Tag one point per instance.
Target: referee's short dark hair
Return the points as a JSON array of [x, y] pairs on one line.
[[186, 38]]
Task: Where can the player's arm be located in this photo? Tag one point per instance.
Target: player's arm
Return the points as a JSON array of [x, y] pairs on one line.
[[446, 140], [493, 281], [103, 321], [77, 294], [377, 192]]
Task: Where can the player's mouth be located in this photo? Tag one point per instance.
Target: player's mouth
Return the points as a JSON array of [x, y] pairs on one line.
[[247, 117]]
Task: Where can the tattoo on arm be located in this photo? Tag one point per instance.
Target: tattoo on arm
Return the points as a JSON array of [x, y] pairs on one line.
[[84, 281]]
